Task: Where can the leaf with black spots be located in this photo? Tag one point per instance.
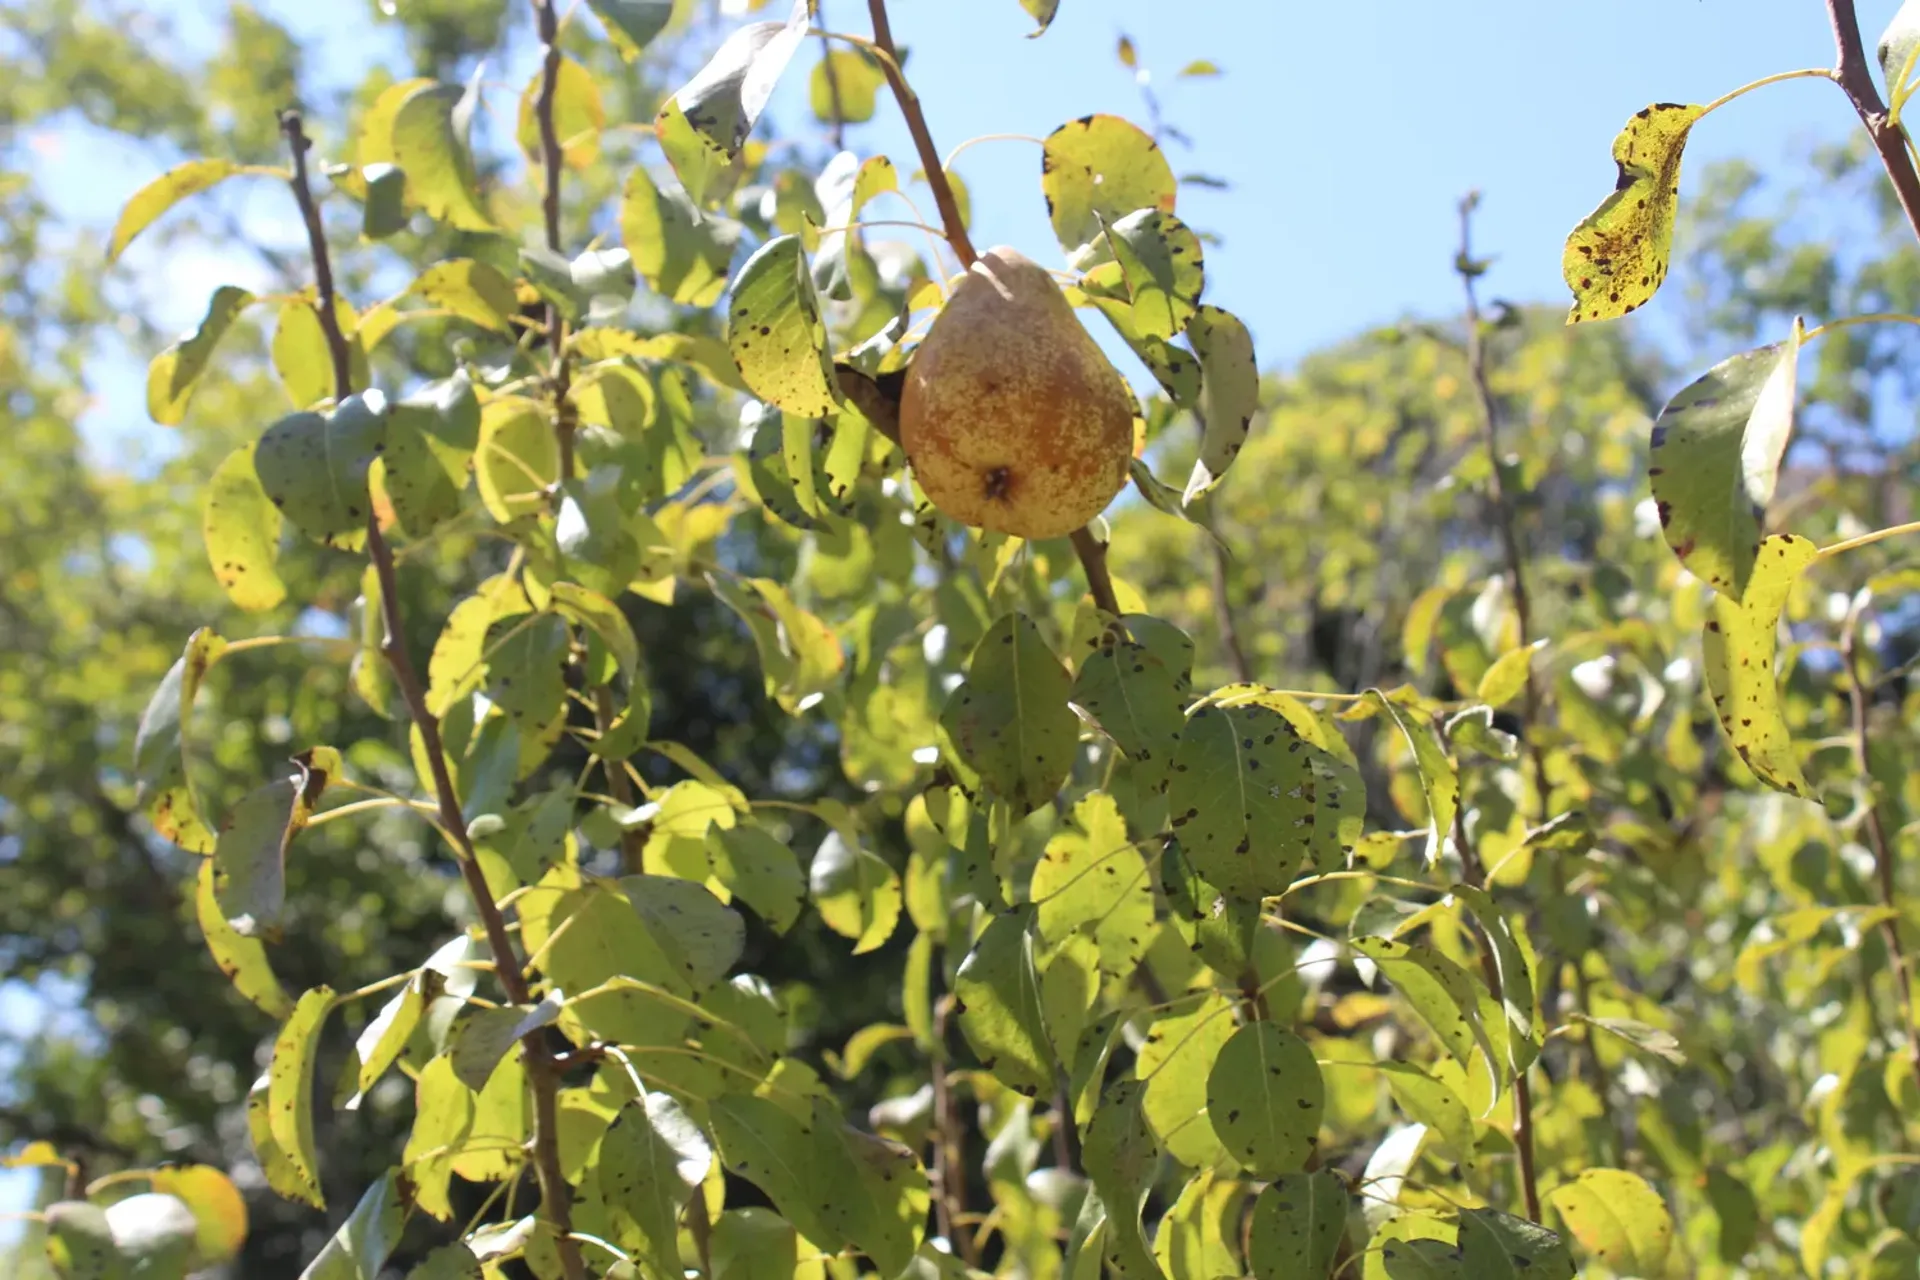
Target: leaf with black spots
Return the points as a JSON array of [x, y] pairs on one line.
[[1716, 456], [471, 290], [313, 467], [1265, 1099], [1009, 723], [998, 992], [1738, 652], [1122, 1156], [160, 195], [651, 1162], [1242, 798], [1298, 1223], [288, 1102], [1229, 394], [1096, 170], [431, 436], [1618, 1219], [1093, 880], [242, 959], [700, 936], [1500, 1246], [722, 102], [1157, 273], [159, 746], [1446, 996], [1618, 256], [1138, 700], [526, 670], [241, 528], [776, 332]]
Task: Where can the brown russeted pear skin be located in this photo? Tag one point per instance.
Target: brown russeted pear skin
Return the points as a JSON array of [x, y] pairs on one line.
[[1013, 418]]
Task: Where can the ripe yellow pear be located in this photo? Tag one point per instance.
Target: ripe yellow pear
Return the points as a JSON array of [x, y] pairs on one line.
[[1013, 419]]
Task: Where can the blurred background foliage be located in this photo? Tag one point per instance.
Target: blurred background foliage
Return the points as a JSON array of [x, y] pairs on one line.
[[1357, 517]]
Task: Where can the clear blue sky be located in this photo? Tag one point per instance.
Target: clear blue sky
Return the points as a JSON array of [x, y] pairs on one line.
[[1347, 130]]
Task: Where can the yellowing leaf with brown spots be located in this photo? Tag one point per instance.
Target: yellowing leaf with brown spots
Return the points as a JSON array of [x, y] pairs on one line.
[[1716, 454], [776, 332], [242, 532], [1095, 171], [160, 195], [1618, 1219], [1739, 646], [1617, 257]]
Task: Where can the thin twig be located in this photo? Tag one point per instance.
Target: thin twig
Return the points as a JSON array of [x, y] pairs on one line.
[[1093, 558], [541, 1078], [1855, 76], [949, 1159], [1877, 830], [903, 93], [553, 164]]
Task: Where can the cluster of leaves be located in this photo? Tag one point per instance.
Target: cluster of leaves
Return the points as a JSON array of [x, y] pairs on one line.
[[1193, 980]]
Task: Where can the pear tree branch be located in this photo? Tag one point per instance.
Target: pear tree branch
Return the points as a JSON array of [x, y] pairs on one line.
[[541, 1076], [1854, 74], [916, 119]]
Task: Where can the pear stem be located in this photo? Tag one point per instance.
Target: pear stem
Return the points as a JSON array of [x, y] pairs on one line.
[[922, 138], [1093, 558]]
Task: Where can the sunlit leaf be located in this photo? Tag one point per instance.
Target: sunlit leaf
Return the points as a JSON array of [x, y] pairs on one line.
[[1157, 272], [1896, 49], [776, 332], [363, 1243], [517, 459], [727, 95], [160, 195], [1618, 1219], [1137, 698], [1298, 1224], [1042, 12], [1176, 1061], [651, 1160], [385, 1036], [241, 528], [473, 291], [1122, 1155], [1265, 1099], [429, 141], [845, 86], [1440, 991], [1095, 171], [442, 1120], [1199, 1237], [1434, 1103], [1618, 255], [1439, 780], [1716, 455], [175, 372], [856, 893], [289, 1095], [1500, 1246], [219, 1210], [682, 253], [578, 116], [159, 761], [303, 357], [1094, 879], [1738, 650], [430, 439]]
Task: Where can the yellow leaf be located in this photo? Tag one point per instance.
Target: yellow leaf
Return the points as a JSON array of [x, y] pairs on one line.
[[1739, 646], [1617, 257], [160, 195], [1505, 679]]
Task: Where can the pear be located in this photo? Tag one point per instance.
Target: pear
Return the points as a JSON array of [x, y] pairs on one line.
[[1012, 418]]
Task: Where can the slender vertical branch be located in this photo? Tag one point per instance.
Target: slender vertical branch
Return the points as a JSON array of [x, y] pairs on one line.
[[1093, 558], [1857, 698], [552, 166], [1854, 75], [541, 1076], [909, 101]]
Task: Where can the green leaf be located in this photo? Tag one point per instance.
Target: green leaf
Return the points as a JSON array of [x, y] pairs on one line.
[[449, 1262], [725, 98], [1716, 455], [1174, 368], [1509, 962], [1739, 1212], [484, 1037], [458, 665], [1093, 879], [1198, 1237], [303, 357], [1157, 272], [289, 1097], [1617, 257], [775, 482], [242, 532], [385, 211], [517, 460], [175, 372], [80, 1244], [704, 167], [603, 617], [1618, 1219], [700, 935], [770, 1147], [881, 1194], [473, 291], [159, 746], [998, 992], [1242, 798], [429, 141], [777, 335], [1896, 52], [1506, 679], [1009, 722], [1440, 991], [857, 894], [382, 1040], [431, 436], [1095, 171], [845, 86], [313, 466], [1433, 1103], [242, 959], [1175, 1062], [1738, 651], [1122, 1156], [682, 253], [632, 24], [442, 1121], [1265, 1099], [526, 672], [651, 1161], [1139, 700], [1438, 778], [754, 1242], [363, 1243], [1219, 929], [1229, 394], [578, 116], [160, 195], [1298, 1224], [1500, 1246]]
